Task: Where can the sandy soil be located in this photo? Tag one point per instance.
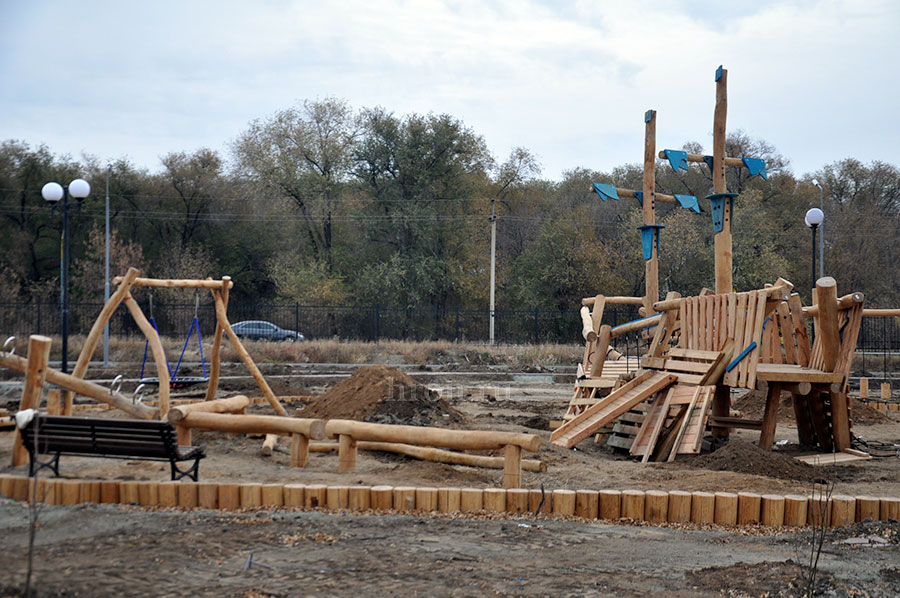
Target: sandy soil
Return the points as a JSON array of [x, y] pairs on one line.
[[128, 551]]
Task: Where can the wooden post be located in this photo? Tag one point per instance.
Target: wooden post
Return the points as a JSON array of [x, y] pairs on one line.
[[216, 354], [168, 494], [128, 493], [540, 501], [721, 407], [818, 512], [723, 243], [426, 499], [517, 500], [840, 420], [471, 500], [109, 492], [382, 498], [159, 355], [148, 494], [188, 496], [610, 504], [633, 504], [229, 497], [272, 495], [749, 508], [38, 355], [512, 466], [316, 496], [863, 388], [826, 292], [890, 509], [448, 500], [886, 391], [587, 503], [299, 450], [69, 492], [404, 498], [54, 401], [360, 498], [250, 494], [726, 508], [495, 500], [656, 506], [772, 510], [294, 494], [346, 453], [603, 338], [770, 417], [207, 495], [183, 436], [843, 510], [868, 507], [703, 507], [563, 502], [679, 507], [651, 266], [337, 497], [90, 491]]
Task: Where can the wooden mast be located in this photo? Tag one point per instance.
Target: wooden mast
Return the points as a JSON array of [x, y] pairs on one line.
[[651, 266], [723, 249]]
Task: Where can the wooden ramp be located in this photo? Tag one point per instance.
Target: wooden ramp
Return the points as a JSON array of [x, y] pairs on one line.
[[686, 425], [644, 385]]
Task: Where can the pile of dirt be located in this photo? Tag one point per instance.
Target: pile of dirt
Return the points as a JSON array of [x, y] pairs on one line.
[[741, 456], [383, 395], [866, 415], [752, 405]]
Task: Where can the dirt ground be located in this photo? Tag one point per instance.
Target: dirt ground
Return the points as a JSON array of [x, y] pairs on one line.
[[130, 551]]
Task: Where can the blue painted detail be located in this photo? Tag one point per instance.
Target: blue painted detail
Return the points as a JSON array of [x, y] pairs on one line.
[[717, 207], [742, 355], [638, 320], [709, 162], [648, 116], [639, 195], [756, 166], [649, 233], [677, 159], [766, 321], [718, 73], [606, 191], [688, 202]]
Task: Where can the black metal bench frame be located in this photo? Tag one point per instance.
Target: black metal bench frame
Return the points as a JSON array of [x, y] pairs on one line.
[[133, 439]]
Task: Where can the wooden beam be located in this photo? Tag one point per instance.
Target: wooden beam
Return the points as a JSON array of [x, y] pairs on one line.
[[826, 289], [215, 359], [434, 455], [770, 418], [420, 435], [159, 356], [35, 374], [236, 404], [255, 424], [177, 284], [701, 159], [615, 300], [722, 240], [651, 266], [587, 326]]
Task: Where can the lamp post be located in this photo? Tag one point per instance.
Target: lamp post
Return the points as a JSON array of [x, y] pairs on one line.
[[814, 217], [821, 229], [52, 193]]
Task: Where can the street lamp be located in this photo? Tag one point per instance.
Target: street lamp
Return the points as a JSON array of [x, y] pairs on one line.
[[821, 230], [52, 193], [814, 217]]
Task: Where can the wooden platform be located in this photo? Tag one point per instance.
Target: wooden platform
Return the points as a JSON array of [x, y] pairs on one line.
[[845, 456]]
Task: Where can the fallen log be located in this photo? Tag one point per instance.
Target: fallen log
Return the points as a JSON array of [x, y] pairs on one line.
[[236, 404], [476, 440], [434, 455], [252, 424]]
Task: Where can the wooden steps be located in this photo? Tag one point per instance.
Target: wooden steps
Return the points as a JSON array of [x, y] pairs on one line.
[[611, 407]]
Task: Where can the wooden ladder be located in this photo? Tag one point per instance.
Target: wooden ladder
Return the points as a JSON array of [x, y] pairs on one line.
[[610, 407]]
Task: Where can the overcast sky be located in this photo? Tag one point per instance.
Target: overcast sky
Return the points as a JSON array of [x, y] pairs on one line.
[[570, 81]]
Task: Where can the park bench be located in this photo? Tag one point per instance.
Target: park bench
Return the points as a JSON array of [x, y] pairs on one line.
[[106, 437]]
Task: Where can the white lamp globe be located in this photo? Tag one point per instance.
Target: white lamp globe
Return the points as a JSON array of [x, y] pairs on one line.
[[79, 188], [52, 192], [814, 217]]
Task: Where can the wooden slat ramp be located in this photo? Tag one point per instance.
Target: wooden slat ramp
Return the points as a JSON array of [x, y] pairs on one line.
[[644, 385], [691, 404]]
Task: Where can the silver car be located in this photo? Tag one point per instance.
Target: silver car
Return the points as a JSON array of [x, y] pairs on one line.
[[261, 330]]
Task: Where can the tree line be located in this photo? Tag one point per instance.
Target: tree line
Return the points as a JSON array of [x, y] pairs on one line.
[[323, 204]]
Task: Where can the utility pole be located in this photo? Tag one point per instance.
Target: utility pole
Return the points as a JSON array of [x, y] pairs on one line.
[[106, 283], [493, 263], [821, 230]]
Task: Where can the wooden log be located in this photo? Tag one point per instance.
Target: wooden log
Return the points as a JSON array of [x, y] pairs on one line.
[[294, 495], [346, 453], [770, 416], [843, 510], [449, 500], [609, 504], [299, 450], [254, 424], [163, 283], [885, 391], [250, 495], [749, 508], [229, 497], [109, 492], [495, 500], [222, 318], [563, 502], [471, 500], [382, 497], [772, 509], [404, 498], [426, 499], [890, 509], [45, 491], [722, 239], [54, 401], [168, 494], [512, 466], [679, 509], [156, 348], [600, 349], [128, 493], [215, 358], [183, 436], [863, 388], [818, 512], [633, 504], [359, 498], [587, 504], [840, 420], [656, 506], [873, 312], [35, 374], [589, 301], [420, 435], [269, 444], [208, 495], [316, 496], [867, 507], [148, 494], [726, 512], [701, 159], [6, 485], [634, 326], [188, 495], [517, 500], [540, 501], [587, 327], [90, 491], [432, 454], [69, 491], [826, 291], [845, 302], [236, 404], [337, 497], [272, 495]]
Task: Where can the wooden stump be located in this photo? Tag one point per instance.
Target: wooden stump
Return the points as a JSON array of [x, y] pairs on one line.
[[208, 495], [495, 500], [679, 507], [656, 506], [471, 500], [563, 502], [890, 509], [69, 491], [448, 500], [512, 466], [404, 498], [795, 510], [273, 495], [347, 451], [128, 493], [360, 498], [610, 504], [250, 495], [109, 492], [885, 391], [863, 388], [337, 497], [868, 507], [6, 485], [535, 504], [316, 496], [726, 508], [90, 491], [148, 494], [229, 496], [749, 507], [294, 495], [772, 510], [703, 507], [517, 500], [382, 498], [426, 499], [633, 504], [299, 450], [818, 512], [587, 503], [168, 494], [843, 510], [188, 495]]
